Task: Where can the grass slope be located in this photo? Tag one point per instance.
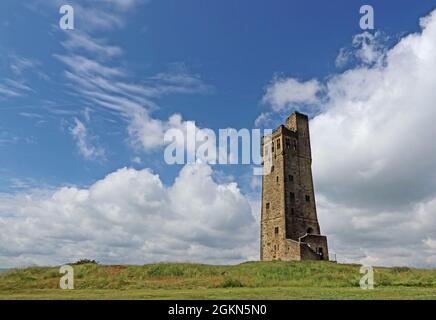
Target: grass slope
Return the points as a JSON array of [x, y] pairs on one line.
[[250, 280]]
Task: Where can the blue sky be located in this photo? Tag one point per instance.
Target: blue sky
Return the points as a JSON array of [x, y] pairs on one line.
[[236, 48], [209, 61]]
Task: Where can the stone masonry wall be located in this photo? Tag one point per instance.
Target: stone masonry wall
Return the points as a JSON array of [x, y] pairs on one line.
[[288, 199]]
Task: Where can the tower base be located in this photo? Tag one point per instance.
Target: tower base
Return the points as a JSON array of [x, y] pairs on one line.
[[309, 247]]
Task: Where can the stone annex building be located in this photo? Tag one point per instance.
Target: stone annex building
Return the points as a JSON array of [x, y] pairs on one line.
[[289, 223]]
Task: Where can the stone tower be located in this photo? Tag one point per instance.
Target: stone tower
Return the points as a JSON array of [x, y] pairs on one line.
[[289, 223]]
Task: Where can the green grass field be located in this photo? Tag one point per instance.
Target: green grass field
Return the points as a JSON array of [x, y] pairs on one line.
[[250, 280]]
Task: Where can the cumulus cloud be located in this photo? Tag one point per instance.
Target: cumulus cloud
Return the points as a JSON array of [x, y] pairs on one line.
[[367, 49], [130, 217], [373, 150], [374, 166], [285, 93]]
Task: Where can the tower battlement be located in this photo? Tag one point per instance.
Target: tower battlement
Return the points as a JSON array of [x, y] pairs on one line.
[[289, 222]]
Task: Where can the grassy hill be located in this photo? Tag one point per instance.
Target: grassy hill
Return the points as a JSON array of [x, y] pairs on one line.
[[250, 280]]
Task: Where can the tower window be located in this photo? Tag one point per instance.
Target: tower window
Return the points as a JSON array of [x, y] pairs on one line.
[[276, 230], [292, 196], [291, 177], [267, 205], [309, 230], [292, 210], [272, 146], [288, 144], [272, 168], [307, 198], [277, 179], [295, 145], [278, 144]]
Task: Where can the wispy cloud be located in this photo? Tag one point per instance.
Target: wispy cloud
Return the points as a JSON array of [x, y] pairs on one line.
[[13, 88], [21, 64], [101, 83], [179, 79], [15, 83], [107, 15], [84, 141], [80, 40], [9, 92], [7, 137], [31, 115]]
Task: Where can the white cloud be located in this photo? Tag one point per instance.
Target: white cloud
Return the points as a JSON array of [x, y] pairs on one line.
[[285, 93], [178, 79], [136, 160], [130, 217], [374, 158], [263, 119], [8, 92], [431, 243], [91, 16], [16, 86], [124, 4], [21, 64], [84, 141], [80, 40], [8, 138], [103, 84], [367, 49]]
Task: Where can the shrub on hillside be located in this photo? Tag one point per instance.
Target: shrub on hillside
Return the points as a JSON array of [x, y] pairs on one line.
[[85, 261], [232, 283]]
